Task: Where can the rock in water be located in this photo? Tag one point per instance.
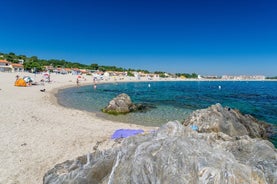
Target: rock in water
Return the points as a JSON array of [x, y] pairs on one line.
[[122, 104], [227, 120]]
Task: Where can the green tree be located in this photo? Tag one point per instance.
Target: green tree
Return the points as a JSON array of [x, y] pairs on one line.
[[29, 66], [33, 59], [130, 74], [101, 68], [94, 66], [11, 57], [194, 75]]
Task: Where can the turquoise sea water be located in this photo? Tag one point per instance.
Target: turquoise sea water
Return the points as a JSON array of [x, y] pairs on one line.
[[176, 100]]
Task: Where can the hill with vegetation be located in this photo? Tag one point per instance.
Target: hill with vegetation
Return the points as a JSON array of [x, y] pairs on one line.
[[39, 64]]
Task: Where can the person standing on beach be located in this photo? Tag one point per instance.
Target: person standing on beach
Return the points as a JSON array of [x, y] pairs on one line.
[[77, 82]]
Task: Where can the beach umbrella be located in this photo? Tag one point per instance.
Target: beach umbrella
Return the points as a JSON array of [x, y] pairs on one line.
[[28, 79]]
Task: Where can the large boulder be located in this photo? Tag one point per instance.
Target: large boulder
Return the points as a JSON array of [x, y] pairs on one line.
[[122, 104], [227, 120], [174, 154]]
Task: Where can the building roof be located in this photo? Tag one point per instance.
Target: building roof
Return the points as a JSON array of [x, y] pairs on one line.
[[4, 61], [17, 65]]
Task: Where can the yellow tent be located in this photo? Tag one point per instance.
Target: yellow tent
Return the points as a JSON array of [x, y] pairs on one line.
[[20, 82]]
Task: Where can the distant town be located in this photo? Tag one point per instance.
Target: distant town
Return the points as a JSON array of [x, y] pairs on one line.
[[13, 63]]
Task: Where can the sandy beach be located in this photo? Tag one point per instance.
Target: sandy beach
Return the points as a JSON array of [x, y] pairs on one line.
[[36, 133]]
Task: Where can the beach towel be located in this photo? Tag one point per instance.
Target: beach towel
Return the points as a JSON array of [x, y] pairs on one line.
[[194, 127], [123, 133]]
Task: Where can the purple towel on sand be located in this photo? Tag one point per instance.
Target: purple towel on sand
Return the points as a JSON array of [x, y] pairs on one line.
[[122, 133]]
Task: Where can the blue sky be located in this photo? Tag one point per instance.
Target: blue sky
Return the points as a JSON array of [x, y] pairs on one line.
[[207, 37]]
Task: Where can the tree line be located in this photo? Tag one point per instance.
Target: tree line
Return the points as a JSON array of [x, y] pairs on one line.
[[33, 62], [271, 77]]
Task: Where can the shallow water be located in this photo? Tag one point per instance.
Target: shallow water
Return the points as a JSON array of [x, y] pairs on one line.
[[176, 100]]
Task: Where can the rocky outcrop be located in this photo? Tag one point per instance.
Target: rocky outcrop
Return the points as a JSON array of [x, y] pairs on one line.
[[122, 104], [174, 154], [227, 120]]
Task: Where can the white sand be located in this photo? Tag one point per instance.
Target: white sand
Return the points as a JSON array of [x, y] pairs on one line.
[[36, 133]]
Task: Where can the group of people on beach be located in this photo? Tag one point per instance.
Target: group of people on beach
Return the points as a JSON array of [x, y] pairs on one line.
[[25, 81], [47, 79], [94, 82]]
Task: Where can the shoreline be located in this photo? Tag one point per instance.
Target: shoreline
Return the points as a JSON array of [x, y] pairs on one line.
[[102, 116], [36, 132]]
